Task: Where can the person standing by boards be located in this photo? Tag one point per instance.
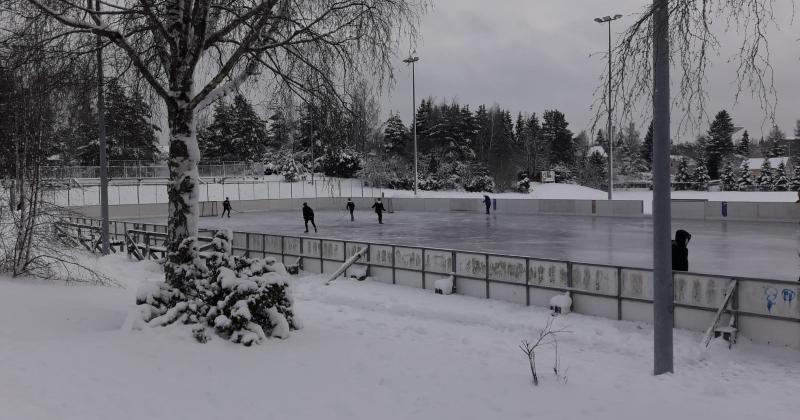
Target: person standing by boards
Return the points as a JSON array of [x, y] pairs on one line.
[[379, 209], [308, 216], [488, 202], [351, 207], [680, 251], [226, 207]]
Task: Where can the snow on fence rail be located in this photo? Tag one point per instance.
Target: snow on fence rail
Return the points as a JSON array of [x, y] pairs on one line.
[[766, 310]]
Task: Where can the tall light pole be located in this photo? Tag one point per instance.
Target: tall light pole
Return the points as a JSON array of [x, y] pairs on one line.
[[602, 20], [101, 124], [411, 60], [663, 293]]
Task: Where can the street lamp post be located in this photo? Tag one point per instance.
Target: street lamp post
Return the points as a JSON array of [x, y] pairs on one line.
[[411, 60], [602, 20], [101, 124]]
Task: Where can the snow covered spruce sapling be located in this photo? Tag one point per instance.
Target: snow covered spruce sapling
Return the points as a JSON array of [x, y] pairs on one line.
[[241, 299]]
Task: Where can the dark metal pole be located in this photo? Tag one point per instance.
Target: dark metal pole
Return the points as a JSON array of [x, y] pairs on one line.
[[414, 114], [101, 124], [663, 295], [608, 133]]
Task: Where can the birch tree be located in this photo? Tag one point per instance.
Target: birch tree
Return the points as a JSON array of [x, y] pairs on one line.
[[193, 52]]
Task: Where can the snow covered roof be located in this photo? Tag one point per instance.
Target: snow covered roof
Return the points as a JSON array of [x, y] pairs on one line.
[[597, 149], [755, 163]]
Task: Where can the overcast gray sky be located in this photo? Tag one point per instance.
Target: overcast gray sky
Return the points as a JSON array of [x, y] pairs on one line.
[[534, 55]]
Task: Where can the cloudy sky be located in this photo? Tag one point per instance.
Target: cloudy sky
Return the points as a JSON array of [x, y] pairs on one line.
[[548, 54]]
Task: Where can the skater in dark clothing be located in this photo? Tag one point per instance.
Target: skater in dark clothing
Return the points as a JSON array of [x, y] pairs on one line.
[[488, 202], [680, 252], [351, 207], [379, 209], [226, 207], [308, 216]]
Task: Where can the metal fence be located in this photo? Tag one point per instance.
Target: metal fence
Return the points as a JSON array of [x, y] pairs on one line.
[[765, 310], [74, 193], [126, 170]]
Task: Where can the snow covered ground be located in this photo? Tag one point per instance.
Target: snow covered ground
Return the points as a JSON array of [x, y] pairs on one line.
[[368, 351]]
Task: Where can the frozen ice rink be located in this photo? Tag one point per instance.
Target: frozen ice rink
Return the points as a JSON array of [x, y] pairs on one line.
[[749, 249]]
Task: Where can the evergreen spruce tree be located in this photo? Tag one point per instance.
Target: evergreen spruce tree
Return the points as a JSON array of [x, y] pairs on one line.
[[772, 145], [395, 137], [236, 134], [646, 150], [765, 181], [745, 180], [794, 183], [530, 144], [683, 178], [131, 135], [700, 177], [720, 142], [556, 134], [781, 182], [728, 178], [744, 145]]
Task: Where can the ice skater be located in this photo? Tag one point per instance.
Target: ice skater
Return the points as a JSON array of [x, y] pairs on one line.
[[488, 202], [379, 209], [680, 251], [351, 207], [226, 207], [308, 216]]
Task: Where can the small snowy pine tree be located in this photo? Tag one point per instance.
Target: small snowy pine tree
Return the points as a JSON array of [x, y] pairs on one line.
[[794, 183], [241, 299], [745, 181], [700, 177], [765, 180], [781, 182], [683, 178], [728, 178]]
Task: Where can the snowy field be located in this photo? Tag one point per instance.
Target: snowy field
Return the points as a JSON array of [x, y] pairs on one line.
[[368, 351], [751, 249]]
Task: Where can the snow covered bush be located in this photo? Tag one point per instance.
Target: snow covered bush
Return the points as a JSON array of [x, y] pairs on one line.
[[781, 182], [745, 181], [563, 173], [765, 180], [270, 168], [794, 183], [482, 183], [728, 178], [290, 170], [523, 182], [240, 299], [342, 164]]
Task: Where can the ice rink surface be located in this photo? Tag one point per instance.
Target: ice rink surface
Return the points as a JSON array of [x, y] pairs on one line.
[[749, 249]]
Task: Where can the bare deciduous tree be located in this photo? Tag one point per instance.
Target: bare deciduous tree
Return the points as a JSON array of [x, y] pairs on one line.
[[192, 52], [694, 27], [547, 337]]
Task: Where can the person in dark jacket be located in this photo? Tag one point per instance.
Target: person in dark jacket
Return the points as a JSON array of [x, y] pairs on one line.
[[226, 207], [308, 216], [351, 207], [379, 209], [488, 202], [680, 252]]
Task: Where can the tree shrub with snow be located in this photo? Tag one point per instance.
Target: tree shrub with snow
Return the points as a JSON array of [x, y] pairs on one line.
[[481, 183], [781, 182], [794, 183], [728, 178], [523, 182], [683, 178], [765, 180], [241, 299], [342, 163], [745, 180], [700, 177], [291, 170]]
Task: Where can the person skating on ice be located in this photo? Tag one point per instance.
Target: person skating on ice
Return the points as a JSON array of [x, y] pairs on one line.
[[308, 216], [379, 209], [351, 207], [226, 207]]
